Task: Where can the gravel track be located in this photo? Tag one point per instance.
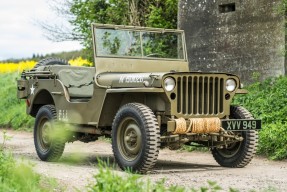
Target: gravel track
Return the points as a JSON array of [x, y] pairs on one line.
[[79, 163]]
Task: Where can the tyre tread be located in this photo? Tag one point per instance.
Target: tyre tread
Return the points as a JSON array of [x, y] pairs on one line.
[[251, 142], [58, 146], [152, 135]]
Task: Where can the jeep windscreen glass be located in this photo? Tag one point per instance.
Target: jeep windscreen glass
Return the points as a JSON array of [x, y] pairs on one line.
[[138, 44], [110, 42], [162, 45]]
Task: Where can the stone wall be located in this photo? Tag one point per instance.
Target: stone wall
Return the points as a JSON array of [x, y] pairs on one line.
[[244, 37]]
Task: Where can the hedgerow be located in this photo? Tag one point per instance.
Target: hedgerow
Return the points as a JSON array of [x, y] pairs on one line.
[[268, 101]]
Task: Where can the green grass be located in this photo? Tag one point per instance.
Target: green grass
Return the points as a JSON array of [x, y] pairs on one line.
[[108, 180], [19, 176], [13, 111], [194, 147]]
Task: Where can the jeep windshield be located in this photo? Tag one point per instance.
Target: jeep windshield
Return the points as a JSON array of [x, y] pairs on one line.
[[147, 43]]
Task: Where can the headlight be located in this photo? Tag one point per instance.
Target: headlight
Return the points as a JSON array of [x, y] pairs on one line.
[[169, 84], [230, 85]]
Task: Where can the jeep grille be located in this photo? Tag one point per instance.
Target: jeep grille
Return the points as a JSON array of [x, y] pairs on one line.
[[200, 95]]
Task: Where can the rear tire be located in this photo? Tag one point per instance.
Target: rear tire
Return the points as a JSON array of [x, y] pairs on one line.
[[48, 148], [238, 154], [135, 138]]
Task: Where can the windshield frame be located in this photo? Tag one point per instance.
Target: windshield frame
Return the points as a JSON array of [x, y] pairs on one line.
[[141, 30]]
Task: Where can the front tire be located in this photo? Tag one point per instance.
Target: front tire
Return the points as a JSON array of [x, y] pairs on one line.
[[48, 147], [238, 154], [135, 138]]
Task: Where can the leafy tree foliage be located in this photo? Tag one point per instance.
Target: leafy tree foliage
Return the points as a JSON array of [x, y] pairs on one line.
[[82, 13], [162, 14], [282, 7]]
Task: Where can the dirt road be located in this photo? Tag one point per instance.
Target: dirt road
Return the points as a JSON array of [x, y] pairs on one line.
[[79, 163]]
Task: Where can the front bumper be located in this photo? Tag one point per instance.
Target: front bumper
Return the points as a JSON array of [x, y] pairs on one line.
[[211, 125]]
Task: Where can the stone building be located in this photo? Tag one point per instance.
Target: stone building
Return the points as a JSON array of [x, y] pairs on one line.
[[244, 37]]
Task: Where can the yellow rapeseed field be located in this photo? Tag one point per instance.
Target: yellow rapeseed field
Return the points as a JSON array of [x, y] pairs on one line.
[[27, 65], [80, 62]]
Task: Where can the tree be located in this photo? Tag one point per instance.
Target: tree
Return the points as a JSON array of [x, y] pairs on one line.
[[282, 7], [162, 14], [82, 13]]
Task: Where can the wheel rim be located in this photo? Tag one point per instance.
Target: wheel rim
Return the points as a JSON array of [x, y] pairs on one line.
[[129, 139], [44, 131], [231, 149]]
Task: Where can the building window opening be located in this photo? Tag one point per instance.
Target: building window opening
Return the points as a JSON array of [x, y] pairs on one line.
[[226, 8]]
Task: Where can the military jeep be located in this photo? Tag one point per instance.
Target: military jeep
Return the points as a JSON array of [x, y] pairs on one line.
[[142, 94]]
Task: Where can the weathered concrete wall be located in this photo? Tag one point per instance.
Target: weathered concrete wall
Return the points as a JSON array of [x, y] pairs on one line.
[[247, 39]]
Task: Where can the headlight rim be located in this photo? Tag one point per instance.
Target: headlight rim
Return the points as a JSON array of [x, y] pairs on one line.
[[166, 86], [228, 86]]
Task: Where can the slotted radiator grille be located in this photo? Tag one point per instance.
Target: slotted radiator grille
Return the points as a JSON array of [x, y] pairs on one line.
[[200, 95]]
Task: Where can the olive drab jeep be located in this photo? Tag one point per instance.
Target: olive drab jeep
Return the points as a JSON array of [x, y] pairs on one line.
[[142, 94]]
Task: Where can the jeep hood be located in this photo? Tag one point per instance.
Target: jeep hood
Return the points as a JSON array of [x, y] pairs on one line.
[[130, 80]]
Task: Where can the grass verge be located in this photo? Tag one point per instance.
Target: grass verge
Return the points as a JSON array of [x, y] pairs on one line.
[[19, 176], [12, 110]]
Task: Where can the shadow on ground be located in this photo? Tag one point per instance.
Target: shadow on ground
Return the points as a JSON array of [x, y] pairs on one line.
[[162, 166]]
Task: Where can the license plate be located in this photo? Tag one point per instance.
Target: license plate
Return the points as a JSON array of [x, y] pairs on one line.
[[241, 124]]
